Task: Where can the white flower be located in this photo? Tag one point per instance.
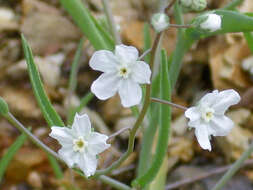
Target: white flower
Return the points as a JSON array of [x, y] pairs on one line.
[[208, 116], [122, 73], [160, 22], [80, 145], [212, 23]]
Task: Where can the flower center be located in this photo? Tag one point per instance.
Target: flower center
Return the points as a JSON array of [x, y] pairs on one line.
[[124, 72], [79, 144], [207, 114]]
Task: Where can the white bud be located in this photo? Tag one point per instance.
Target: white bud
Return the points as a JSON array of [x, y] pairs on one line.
[[198, 5], [195, 5], [160, 22], [212, 23]]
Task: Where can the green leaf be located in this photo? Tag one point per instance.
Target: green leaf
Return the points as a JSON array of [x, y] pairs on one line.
[[4, 109], [232, 21], [73, 76], [51, 116], [249, 38], [49, 113], [81, 15], [8, 156], [164, 128], [147, 41], [232, 5]]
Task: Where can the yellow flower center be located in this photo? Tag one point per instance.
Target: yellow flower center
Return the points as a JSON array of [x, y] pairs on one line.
[[79, 144], [207, 114]]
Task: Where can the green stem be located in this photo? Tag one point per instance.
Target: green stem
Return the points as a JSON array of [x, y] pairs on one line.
[[164, 129], [73, 77], [139, 119], [111, 21], [32, 137], [235, 167], [114, 183], [180, 47]]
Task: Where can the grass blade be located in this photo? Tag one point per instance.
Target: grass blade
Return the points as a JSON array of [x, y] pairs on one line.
[[84, 20], [45, 105], [49, 113], [164, 128], [4, 162], [249, 38]]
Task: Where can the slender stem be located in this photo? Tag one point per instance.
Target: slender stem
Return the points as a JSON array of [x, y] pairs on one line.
[[110, 19], [180, 26], [73, 77], [234, 168], [33, 138], [145, 54], [168, 103], [169, 6], [118, 132], [194, 179], [139, 119], [114, 183]]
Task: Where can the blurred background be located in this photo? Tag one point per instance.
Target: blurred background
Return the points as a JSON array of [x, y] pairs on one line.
[[219, 62]]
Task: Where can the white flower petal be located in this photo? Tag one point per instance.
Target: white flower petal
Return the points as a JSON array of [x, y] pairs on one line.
[[226, 99], [63, 135], [97, 143], [220, 125], [69, 156], [130, 93], [210, 98], [88, 164], [202, 135], [104, 61], [82, 125], [126, 54], [105, 86], [141, 72], [212, 23], [192, 113]]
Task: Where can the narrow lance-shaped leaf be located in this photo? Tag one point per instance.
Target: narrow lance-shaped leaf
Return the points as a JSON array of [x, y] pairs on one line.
[[164, 128], [45, 105], [8, 156], [83, 19]]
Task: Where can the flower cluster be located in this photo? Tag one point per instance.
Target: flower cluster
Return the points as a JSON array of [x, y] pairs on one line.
[[208, 116], [80, 145]]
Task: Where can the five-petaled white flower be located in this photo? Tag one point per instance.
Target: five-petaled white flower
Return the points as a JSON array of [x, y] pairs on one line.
[[208, 116], [212, 23], [80, 145], [122, 73]]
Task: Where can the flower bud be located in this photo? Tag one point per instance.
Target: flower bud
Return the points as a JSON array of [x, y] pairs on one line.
[[198, 5], [194, 5], [4, 109], [160, 22], [212, 22]]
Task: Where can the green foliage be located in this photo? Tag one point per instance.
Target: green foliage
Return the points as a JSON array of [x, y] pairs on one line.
[[8, 156], [4, 109], [87, 23], [164, 128], [49, 113], [51, 116]]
